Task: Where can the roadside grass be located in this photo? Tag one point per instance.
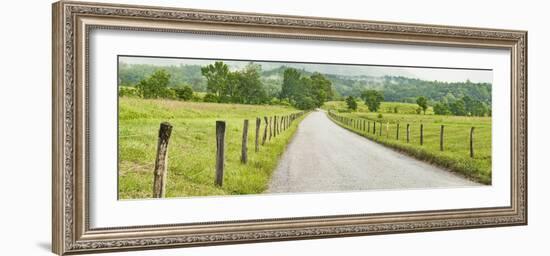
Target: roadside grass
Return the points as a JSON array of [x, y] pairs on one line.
[[192, 147], [456, 154]]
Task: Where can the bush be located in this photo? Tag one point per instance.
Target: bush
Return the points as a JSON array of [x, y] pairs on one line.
[[209, 97], [196, 98], [380, 115], [127, 91], [184, 92]]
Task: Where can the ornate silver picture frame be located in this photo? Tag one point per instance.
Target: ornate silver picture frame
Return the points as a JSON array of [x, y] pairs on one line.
[[73, 203]]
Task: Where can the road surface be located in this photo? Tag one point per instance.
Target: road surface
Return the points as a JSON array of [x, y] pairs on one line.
[[323, 156]]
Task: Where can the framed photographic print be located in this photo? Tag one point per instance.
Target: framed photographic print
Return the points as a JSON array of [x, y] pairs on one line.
[[179, 127]]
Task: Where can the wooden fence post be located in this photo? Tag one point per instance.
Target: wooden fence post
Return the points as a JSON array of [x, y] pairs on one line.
[[220, 151], [441, 137], [374, 127], [387, 129], [270, 127], [256, 142], [274, 126], [380, 129], [364, 125], [397, 132], [368, 126], [161, 162], [287, 121], [244, 148], [472, 142], [408, 133], [421, 134], [265, 130]]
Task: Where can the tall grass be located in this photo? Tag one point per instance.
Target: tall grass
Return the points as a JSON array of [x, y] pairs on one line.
[[192, 147]]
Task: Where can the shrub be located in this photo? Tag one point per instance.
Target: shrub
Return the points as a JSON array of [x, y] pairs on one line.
[[209, 97], [127, 91], [184, 92]]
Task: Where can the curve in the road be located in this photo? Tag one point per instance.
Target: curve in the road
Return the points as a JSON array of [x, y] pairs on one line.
[[324, 157]]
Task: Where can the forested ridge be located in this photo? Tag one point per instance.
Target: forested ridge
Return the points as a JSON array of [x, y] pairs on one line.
[[394, 88]]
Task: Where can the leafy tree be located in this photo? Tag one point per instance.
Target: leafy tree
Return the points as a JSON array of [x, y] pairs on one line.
[[154, 86], [350, 101], [249, 87], [305, 102], [372, 99], [458, 108], [478, 108], [422, 103], [217, 77], [291, 83], [305, 92], [321, 88], [441, 108]]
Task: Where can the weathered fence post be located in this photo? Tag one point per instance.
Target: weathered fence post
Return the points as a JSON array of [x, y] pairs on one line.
[[364, 125], [397, 132], [421, 134], [220, 151], [265, 130], [270, 128], [368, 126], [374, 127], [380, 129], [408, 133], [244, 148], [472, 142], [287, 120], [161, 162], [274, 126], [256, 142], [441, 137]]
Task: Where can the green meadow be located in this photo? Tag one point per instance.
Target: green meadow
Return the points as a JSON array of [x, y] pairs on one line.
[[456, 153], [192, 147]]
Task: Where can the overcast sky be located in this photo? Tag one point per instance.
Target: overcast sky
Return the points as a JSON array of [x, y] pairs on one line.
[[439, 74]]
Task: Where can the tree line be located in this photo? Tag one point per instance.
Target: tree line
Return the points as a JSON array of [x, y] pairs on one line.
[[465, 106], [241, 86]]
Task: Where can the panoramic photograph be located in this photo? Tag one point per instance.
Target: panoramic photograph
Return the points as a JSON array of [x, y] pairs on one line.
[[190, 127]]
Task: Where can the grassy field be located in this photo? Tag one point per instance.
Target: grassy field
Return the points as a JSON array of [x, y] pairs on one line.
[[456, 136], [385, 107], [192, 147]]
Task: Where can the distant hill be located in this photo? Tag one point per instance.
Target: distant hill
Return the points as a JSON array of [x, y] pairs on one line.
[[395, 88]]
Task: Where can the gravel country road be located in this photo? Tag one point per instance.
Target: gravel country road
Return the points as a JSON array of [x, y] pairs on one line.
[[323, 156]]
